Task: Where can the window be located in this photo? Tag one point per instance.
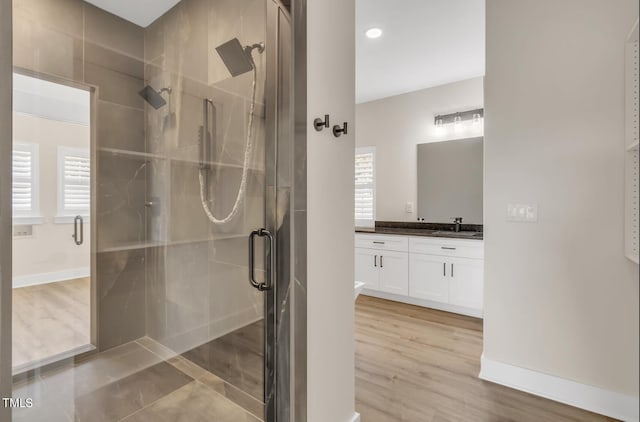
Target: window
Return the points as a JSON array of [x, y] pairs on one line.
[[365, 192], [25, 187], [74, 187]]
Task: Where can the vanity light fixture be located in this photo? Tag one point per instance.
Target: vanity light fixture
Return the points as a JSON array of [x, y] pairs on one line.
[[373, 33], [475, 115]]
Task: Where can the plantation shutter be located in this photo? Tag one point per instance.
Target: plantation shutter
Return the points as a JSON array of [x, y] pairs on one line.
[[365, 187], [76, 178], [23, 189]]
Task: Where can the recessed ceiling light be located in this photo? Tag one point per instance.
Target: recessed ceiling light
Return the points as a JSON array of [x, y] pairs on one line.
[[373, 33]]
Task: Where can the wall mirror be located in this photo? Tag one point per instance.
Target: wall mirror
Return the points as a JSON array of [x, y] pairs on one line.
[[450, 176]]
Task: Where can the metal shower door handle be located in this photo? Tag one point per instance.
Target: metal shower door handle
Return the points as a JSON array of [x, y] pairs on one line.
[[79, 240], [270, 254]]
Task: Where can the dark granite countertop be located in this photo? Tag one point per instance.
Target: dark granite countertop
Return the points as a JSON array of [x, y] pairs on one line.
[[467, 231]]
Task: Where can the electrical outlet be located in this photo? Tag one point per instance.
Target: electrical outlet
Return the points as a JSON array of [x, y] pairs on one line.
[[408, 207], [23, 230], [522, 212]]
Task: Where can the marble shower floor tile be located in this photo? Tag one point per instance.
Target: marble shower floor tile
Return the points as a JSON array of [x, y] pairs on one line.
[[133, 382], [239, 397], [194, 402], [236, 358], [124, 397]]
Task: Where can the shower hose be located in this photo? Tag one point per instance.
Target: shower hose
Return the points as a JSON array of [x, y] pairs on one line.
[[245, 168]]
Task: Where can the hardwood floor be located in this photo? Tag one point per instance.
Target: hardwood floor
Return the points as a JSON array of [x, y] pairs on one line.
[[49, 319], [421, 365]]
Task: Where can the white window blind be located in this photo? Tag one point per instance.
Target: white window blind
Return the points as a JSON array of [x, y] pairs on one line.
[[74, 181], [365, 187], [25, 179]]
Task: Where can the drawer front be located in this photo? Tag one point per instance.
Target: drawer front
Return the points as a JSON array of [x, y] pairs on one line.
[[382, 242], [447, 247]]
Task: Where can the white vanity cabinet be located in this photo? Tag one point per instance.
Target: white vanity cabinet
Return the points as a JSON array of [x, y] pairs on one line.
[[428, 277], [436, 272], [447, 271], [382, 263]]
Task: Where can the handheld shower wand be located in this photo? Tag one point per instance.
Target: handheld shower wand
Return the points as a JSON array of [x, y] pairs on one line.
[[238, 60]]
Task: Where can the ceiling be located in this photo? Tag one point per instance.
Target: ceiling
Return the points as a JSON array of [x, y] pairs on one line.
[[141, 12], [424, 43]]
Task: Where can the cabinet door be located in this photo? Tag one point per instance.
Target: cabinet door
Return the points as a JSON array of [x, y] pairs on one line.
[[394, 272], [466, 282], [367, 264], [427, 278]]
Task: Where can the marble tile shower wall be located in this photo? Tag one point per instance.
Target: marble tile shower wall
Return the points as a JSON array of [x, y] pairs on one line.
[[74, 41], [197, 274], [163, 269]]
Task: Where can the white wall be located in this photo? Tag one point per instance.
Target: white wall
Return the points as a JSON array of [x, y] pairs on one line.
[[51, 252], [396, 125], [560, 297], [330, 228]]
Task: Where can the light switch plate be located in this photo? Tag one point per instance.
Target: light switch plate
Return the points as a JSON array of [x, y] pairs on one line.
[[408, 207], [522, 212]]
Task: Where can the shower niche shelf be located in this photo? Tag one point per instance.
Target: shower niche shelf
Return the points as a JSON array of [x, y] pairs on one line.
[[129, 246], [129, 153], [152, 156]]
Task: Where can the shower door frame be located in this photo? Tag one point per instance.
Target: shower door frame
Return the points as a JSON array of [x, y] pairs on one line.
[[273, 409], [6, 147], [93, 346]]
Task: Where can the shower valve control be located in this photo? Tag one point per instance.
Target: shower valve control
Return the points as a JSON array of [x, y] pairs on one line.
[[338, 131], [320, 124]]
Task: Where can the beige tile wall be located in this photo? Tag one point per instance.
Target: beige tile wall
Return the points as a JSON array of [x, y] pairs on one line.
[[74, 41]]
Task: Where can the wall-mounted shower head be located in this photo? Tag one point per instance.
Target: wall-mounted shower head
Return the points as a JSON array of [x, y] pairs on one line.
[[153, 97], [237, 58]]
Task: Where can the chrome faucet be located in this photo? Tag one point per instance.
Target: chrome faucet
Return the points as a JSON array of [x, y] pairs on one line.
[[458, 222]]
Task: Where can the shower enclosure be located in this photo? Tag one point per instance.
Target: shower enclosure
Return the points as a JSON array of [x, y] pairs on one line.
[[190, 212]]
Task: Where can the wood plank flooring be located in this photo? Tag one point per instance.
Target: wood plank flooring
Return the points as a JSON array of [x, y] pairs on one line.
[[49, 319], [416, 364]]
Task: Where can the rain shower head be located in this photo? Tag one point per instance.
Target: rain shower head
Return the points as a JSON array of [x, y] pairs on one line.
[[238, 59], [153, 97]]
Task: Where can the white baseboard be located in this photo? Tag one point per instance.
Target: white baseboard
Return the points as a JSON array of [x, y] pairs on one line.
[[594, 399], [44, 278], [424, 303], [356, 417]]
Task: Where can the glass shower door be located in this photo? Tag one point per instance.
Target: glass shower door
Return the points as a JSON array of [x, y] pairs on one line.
[[184, 174]]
